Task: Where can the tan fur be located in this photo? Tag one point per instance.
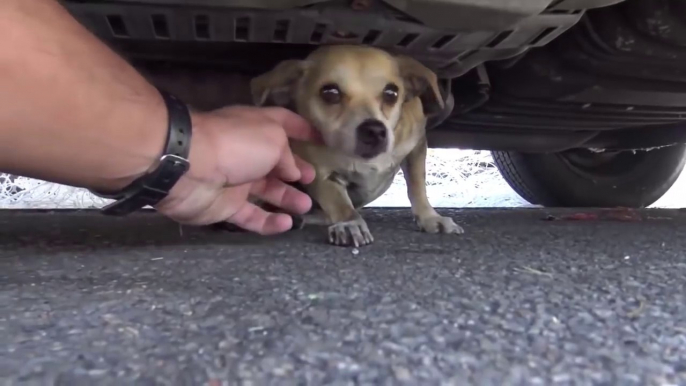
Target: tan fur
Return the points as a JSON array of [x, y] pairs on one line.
[[346, 182]]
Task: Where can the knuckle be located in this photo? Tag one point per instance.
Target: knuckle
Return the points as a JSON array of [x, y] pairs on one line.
[[278, 135]]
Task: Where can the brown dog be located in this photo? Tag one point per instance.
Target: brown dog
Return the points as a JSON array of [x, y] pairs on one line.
[[371, 110]]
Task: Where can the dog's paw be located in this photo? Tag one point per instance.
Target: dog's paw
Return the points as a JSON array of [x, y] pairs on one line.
[[353, 232], [438, 224]]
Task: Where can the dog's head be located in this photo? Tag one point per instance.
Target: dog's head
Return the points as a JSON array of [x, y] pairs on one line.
[[353, 95]]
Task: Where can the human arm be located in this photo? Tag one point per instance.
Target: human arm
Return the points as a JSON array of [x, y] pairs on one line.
[[73, 112]]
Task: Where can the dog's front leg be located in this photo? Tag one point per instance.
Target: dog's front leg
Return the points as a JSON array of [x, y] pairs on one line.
[[414, 170], [348, 227]]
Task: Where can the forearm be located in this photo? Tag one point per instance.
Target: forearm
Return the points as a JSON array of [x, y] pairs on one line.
[[71, 111]]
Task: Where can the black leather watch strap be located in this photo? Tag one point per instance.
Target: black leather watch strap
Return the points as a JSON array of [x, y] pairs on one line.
[[154, 186]]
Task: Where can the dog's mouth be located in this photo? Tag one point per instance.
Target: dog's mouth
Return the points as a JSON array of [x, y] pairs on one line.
[[368, 151]]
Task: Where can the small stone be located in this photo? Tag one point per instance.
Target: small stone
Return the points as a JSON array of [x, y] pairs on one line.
[[401, 373], [356, 251]]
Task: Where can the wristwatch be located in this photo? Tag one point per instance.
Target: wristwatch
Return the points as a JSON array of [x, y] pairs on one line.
[[154, 186]]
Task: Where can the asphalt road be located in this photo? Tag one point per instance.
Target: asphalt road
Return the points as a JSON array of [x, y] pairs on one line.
[[516, 300]]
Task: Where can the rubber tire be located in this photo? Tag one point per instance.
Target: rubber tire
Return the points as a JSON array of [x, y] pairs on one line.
[[549, 180]]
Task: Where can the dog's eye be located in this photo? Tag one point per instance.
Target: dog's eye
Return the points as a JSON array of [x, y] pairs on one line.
[[390, 94], [331, 94]]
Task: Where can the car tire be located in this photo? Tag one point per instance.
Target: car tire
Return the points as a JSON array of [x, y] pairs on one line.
[[582, 178]]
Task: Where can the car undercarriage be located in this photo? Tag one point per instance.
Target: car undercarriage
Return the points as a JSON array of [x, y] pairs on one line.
[[581, 101]]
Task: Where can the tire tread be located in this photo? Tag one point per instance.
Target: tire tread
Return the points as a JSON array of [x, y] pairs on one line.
[[508, 169]]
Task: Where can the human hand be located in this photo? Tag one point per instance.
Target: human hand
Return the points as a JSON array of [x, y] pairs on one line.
[[237, 152]]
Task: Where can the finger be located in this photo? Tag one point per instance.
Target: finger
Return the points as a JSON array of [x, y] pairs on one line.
[[307, 171], [255, 219], [286, 168], [282, 195], [292, 168], [294, 125]]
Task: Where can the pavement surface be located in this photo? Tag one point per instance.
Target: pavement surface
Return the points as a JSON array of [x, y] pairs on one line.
[[524, 297]]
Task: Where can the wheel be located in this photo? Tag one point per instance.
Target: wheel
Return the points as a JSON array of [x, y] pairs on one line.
[[582, 178]]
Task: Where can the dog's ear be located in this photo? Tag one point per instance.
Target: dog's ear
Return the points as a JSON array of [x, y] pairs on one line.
[[423, 83], [276, 86]]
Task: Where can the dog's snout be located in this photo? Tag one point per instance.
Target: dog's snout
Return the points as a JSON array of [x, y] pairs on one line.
[[372, 138]]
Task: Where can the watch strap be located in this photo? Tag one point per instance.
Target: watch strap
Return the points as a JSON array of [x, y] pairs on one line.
[[155, 185]]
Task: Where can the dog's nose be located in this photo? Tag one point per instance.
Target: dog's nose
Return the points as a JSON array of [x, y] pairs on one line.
[[371, 131], [372, 138]]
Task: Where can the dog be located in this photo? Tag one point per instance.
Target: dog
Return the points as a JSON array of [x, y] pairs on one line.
[[371, 109]]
